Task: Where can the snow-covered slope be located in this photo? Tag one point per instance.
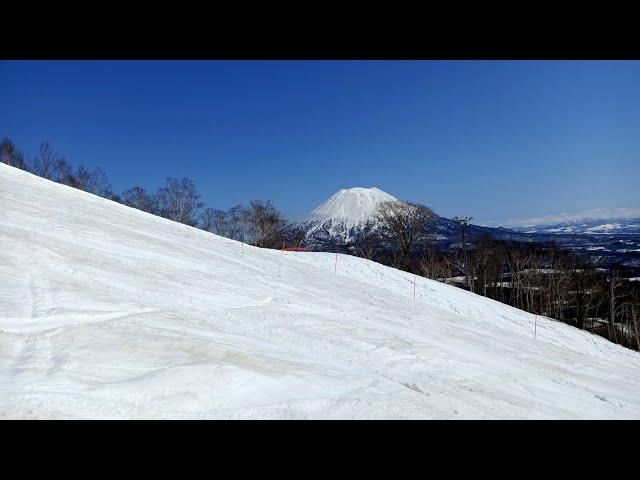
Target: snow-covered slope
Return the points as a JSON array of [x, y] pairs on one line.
[[343, 215], [109, 312]]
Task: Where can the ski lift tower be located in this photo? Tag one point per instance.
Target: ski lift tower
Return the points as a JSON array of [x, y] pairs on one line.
[[463, 222]]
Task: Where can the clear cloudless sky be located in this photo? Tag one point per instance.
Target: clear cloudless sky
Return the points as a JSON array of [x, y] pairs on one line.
[[491, 139]]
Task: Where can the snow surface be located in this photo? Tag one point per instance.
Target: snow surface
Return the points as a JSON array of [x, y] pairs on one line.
[[109, 312]]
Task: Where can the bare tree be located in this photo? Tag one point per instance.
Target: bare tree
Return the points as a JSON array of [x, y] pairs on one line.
[[238, 222], [95, 181], [78, 179], [267, 224], [614, 282], [179, 201], [635, 316], [50, 165], [403, 226], [137, 197], [220, 223], [431, 264], [583, 279], [215, 221], [99, 183], [366, 243], [486, 265], [205, 220], [10, 155]]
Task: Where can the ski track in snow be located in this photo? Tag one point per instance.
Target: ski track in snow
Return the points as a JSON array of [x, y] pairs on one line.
[[109, 312]]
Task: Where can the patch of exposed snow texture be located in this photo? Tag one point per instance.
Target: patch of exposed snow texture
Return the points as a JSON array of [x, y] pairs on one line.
[[109, 312]]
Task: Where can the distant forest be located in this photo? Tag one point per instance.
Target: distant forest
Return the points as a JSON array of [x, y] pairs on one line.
[[541, 279]]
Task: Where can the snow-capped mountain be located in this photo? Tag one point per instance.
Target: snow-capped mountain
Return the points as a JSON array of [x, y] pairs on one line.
[[343, 216]]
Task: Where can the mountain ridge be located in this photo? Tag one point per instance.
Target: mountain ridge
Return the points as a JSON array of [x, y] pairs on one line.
[[550, 220]]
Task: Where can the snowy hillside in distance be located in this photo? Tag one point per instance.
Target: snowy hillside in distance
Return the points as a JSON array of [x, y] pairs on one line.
[[595, 221], [109, 312], [588, 226]]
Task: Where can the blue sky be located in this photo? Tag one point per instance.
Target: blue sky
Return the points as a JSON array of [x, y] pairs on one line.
[[494, 140]]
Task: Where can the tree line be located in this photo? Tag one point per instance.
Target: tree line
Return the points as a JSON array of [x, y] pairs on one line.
[[259, 223]]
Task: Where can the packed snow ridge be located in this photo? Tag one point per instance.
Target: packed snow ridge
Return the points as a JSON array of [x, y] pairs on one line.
[[110, 312]]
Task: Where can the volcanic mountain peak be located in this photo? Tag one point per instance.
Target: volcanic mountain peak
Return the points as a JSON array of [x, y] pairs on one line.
[[350, 206]]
